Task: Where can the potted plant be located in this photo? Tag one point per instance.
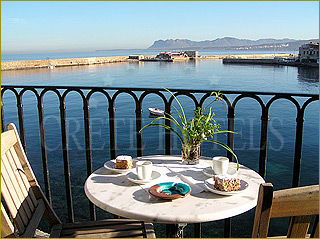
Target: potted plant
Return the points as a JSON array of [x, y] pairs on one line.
[[201, 128]]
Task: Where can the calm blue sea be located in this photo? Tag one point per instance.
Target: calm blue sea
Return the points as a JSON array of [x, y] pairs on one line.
[[201, 74], [65, 55]]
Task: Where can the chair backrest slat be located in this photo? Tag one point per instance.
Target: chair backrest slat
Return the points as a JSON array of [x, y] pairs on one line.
[[299, 226], [7, 229], [13, 177], [8, 139], [22, 179], [299, 203], [15, 191], [20, 225]]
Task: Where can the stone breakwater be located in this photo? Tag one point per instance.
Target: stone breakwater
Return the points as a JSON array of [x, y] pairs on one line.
[[23, 65]]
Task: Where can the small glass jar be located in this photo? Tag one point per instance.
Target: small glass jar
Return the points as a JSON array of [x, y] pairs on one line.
[[191, 153]]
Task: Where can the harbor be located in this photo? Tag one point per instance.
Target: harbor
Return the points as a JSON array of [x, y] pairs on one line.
[[76, 62], [308, 57]]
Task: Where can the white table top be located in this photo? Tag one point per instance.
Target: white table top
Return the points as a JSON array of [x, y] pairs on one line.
[[116, 194]]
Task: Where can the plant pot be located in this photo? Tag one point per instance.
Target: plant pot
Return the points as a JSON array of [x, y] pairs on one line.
[[190, 153]]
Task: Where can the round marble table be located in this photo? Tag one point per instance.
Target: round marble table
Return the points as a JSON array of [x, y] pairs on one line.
[[116, 194]]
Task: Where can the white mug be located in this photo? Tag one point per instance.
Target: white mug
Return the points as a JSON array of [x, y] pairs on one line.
[[144, 170], [220, 165]]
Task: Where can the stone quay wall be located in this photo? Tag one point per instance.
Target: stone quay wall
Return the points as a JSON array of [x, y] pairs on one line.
[[22, 65]]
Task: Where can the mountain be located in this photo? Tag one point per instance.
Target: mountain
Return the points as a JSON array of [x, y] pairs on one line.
[[230, 43]]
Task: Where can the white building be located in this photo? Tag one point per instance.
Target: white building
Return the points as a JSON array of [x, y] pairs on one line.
[[136, 57], [309, 52]]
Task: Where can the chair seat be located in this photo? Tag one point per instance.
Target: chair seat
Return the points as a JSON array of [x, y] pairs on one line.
[[107, 229]]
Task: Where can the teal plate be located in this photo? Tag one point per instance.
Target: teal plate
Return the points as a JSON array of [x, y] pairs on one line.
[[170, 190]]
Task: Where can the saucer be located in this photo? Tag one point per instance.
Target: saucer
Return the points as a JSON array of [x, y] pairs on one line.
[[170, 190], [134, 178], [208, 171], [209, 184], [111, 165]]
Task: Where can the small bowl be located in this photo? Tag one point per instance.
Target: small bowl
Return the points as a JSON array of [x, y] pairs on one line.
[[170, 190]]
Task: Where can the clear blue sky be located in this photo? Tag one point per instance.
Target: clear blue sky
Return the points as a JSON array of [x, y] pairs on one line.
[[57, 26]]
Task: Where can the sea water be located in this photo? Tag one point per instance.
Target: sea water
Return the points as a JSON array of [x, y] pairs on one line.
[[200, 74], [85, 54]]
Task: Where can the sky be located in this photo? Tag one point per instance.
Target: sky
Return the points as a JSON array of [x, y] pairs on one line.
[[66, 26]]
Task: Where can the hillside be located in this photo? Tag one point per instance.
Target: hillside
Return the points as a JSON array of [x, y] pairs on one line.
[[230, 43]]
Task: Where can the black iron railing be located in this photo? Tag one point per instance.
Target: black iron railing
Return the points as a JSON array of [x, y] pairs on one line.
[[139, 94]]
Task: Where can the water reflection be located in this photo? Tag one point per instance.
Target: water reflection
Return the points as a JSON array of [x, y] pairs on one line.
[[308, 75], [191, 74], [308, 79]]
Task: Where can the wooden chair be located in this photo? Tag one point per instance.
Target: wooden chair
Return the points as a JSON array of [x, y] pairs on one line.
[[299, 203], [26, 203]]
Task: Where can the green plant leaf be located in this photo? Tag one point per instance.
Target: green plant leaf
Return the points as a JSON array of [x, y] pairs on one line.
[[184, 116], [166, 127], [226, 147]]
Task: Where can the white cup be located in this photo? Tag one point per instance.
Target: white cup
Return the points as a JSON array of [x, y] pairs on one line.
[[220, 165], [144, 170]]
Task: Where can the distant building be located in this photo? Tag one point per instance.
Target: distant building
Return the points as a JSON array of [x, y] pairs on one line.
[[164, 55], [193, 54], [177, 55], [136, 57], [309, 52]]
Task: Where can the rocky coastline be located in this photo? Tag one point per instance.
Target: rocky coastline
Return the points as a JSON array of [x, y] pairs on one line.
[[51, 64]]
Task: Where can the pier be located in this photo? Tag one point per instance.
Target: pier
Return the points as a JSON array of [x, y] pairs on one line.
[[23, 65], [274, 61], [250, 61]]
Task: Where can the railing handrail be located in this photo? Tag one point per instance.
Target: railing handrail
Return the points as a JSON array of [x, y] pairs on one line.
[[162, 89]]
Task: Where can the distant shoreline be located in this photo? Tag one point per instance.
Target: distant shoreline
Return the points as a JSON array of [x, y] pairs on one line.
[[51, 64]]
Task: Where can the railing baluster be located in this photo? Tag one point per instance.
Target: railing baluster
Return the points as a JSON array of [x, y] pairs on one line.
[[230, 143], [197, 230], [112, 128], [230, 138], [167, 132], [87, 131], [298, 149], [227, 228], [66, 159], [2, 116], [44, 151], [263, 143], [21, 123], [138, 127]]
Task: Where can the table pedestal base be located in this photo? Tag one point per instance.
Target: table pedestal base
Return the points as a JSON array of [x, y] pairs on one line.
[[175, 230]]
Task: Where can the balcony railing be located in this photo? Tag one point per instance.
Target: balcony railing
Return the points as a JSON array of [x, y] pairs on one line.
[[138, 95]]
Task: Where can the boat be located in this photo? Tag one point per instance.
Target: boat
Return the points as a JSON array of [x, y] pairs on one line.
[[156, 111]]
